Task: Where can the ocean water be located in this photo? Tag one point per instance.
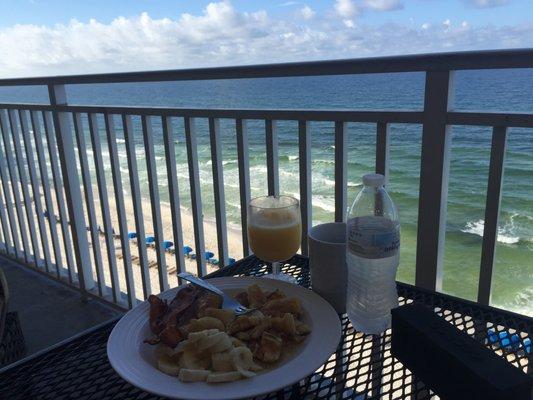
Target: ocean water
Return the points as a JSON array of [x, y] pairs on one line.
[[474, 90]]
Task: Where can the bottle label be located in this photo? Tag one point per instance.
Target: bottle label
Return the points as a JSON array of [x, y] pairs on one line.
[[373, 237]]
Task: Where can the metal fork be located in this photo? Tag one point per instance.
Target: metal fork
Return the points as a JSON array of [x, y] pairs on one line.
[[228, 302]]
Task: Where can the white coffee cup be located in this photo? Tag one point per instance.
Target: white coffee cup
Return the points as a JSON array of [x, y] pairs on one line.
[[327, 263]]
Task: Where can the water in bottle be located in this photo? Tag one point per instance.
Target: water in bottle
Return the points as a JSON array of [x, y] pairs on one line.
[[372, 256]]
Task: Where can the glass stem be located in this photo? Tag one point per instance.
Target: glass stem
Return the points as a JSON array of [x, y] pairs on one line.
[[275, 268]]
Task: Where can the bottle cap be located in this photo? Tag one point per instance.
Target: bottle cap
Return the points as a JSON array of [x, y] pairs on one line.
[[373, 180]]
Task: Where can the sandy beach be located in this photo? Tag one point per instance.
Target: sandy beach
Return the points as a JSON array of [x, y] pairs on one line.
[[187, 228]]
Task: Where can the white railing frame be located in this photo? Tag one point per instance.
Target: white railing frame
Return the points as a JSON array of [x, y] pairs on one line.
[[436, 119]]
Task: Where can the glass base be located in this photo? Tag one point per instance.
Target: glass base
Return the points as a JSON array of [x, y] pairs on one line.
[[281, 277]]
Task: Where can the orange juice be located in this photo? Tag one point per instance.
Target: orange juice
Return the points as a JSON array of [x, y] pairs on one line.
[[275, 235]]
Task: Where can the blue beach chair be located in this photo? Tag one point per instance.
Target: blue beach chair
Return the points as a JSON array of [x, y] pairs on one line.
[[132, 235], [503, 340], [209, 255], [187, 250], [149, 240], [167, 244]]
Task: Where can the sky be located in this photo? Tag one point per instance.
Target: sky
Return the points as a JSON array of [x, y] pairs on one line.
[[53, 37]]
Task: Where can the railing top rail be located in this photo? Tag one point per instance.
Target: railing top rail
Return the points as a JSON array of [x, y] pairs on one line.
[[488, 59]]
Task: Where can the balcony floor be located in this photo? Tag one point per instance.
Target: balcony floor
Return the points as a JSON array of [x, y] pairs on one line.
[[49, 312]]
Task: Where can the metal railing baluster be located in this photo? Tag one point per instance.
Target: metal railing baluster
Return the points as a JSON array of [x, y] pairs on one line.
[[173, 190], [154, 201], [65, 145], [218, 189], [272, 157], [58, 191], [434, 169], [6, 242], [121, 208], [129, 137], [9, 205], [13, 179], [196, 197], [52, 224], [243, 160], [492, 211], [306, 192], [89, 203], [341, 178], [28, 204], [104, 204], [30, 162], [382, 150]]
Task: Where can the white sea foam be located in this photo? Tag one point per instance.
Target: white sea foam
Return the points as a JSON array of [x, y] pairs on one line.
[[120, 140], [325, 203], [522, 302], [476, 228], [292, 158], [124, 170]]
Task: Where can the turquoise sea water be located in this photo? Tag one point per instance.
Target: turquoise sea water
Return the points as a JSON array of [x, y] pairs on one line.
[[474, 90]]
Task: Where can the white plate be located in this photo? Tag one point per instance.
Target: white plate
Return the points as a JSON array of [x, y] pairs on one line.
[[134, 361]]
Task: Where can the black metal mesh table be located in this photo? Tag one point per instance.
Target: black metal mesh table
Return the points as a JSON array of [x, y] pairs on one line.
[[361, 368]]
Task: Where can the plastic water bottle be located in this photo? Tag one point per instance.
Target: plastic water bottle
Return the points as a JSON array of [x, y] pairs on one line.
[[372, 256]]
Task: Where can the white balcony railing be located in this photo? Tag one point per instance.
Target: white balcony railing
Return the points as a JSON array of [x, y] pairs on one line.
[[44, 149]]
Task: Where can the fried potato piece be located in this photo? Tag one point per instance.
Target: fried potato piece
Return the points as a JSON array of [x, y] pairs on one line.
[[287, 305], [269, 349], [256, 297], [168, 367], [243, 360], [258, 330], [222, 362], [285, 324], [196, 336], [191, 359], [243, 336], [243, 323], [193, 375], [219, 377], [276, 294], [302, 328], [204, 323], [226, 316], [237, 342]]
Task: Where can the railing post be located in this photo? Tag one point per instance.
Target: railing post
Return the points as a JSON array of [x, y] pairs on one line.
[[218, 190], [492, 211], [272, 157], [306, 202], [341, 179], [71, 181], [244, 180], [382, 150], [434, 168]]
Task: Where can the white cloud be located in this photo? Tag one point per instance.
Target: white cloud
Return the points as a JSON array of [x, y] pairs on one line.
[[447, 23], [306, 12], [346, 8], [289, 3], [486, 3], [425, 25], [222, 35], [383, 5]]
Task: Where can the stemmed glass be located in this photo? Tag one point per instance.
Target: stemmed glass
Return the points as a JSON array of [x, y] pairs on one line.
[[275, 231]]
